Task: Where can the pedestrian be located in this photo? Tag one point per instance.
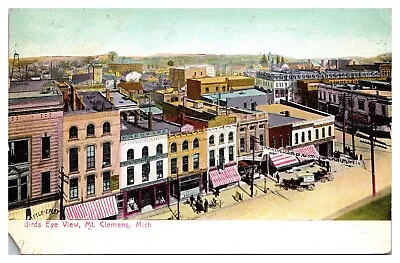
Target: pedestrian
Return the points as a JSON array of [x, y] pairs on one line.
[[205, 206], [277, 177], [361, 156], [356, 156], [217, 192], [191, 200], [328, 167], [197, 206]]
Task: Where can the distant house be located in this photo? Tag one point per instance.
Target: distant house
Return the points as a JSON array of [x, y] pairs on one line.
[[77, 78], [148, 77], [131, 76], [130, 88], [108, 80]]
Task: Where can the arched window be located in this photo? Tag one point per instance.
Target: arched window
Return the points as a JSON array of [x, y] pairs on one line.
[[316, 134], [221, 138], [145, 151], [73, 132], [196, 143], [296, 138], [185, 145], [211, 140], [323, 132], [90, 130], [159, 149], [130, 155], [230, 137], [173, 147], [106, 128], [329, 131]]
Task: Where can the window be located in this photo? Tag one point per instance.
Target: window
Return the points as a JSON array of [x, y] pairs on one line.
[[261, 126], [73, 188], [90, 130], [245, 105], [211, 140], [309, 136], [221, 138], [106, 153], [242, 129], [303, 137], [145, 171], [252, 128], [159, 167], [221, 156], [185, 145], [329, 97], [195, 143], [106, 128], [212, 158], [296, 138], [130, 155], [207, 90], [130, 175], [383, 110], [223, 88], [288, 140], [45, 182], [251, 142], [18, 151], [230, 137], [145, 152], [174, 164], [45, 147], [323, 132], [73, 159], [261, 139], [216, 88], [159, 149], [334, 98], [273, 142], [90, 185], [90, 157], [185, 163], [231, 154], [316, 134], [73, 132], [329, 131], [106, 181], [196, 161], [242, 144], [173, 147], [361, 105]]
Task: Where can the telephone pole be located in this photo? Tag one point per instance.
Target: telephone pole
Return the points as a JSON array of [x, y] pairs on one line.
[[352, 126], [179, 192], [344, 122], [372, 112], [62, 194], [253, 143]]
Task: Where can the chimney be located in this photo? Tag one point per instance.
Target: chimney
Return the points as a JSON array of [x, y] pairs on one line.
[[309, 63], [184, 101], [150, 120], [322, 62], [108, 94], [337, 63], [136, 118], [287, 113], [329, 64], [112, 100], [183, 119]]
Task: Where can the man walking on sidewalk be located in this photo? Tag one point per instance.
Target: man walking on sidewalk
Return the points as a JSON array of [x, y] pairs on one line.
[[277, 177]]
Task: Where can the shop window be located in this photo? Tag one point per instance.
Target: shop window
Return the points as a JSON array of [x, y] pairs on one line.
[[90, 130], [45, 147], [106, 181], [73, 132], [106, 128], [90, 184], [130, 155], [73, 188], [130, 175], [45, 182], [73, 160], [173, 147], [90, 157]]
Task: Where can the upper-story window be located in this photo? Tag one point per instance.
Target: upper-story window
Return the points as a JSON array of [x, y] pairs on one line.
[[316, 134], [106, 128], [296, 138], [361, 104], [303, 137], [329, 131], [207, 90], [323, 132], [195, 143], [173, 147], [185, 145], [130, 155], [309, 136], [159, 149], [45, 147], [90, 130], [145, 151], [230, 137], [221, 138], [73, 132], [211, 140]]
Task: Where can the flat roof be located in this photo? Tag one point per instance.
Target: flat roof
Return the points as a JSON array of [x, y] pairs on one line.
[[234, 94], [129, 128], [33, 89], [383, 93], [93, 100], [153, 109], [276, 120], [294, 112], [120, 99]]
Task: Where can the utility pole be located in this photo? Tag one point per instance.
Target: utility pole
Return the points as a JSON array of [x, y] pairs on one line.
[[372, 112], [62, 194], [265, 177], [352, 126], [179, 191], [344, 122], [253, 143]]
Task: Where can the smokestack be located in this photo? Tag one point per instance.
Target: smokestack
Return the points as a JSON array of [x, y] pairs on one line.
[[112, 100], [309, 63], [287, 113], [337, 63], [108, 94], [136, 118], [322, 62], [150, 120]]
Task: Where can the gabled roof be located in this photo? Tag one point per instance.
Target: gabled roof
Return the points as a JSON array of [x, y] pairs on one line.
[[82, 77]]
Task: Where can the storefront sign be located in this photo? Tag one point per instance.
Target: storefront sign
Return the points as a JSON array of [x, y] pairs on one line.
[[45, 211], [114, 182]]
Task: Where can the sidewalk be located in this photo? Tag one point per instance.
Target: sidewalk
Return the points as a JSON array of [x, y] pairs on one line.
[[226, 196]]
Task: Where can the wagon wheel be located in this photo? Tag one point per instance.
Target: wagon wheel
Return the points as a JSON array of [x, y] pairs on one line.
[[331, 177], [311, 187], [324, 180], [300, 189]]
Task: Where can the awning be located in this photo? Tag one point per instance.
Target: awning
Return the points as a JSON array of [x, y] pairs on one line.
[[307, 150], [281, 160], [223, 177], [94, 210]]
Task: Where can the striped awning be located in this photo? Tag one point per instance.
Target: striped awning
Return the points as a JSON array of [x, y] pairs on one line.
[[94, 210], [281, 160], [223, 177], [307, 150]]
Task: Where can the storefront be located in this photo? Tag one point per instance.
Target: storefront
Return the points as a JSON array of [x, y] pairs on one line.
[[149, 195], [281, 161], [103, 208], [220, 178], [44, 211], [190, 184]]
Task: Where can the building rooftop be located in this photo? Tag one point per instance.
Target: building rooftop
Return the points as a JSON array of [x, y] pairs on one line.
[[33, 89], [120, 100], [94, 100], [294, 112], [387, 94], [82, 77], [276, 120], [152, 109], [234, 94], [129, 128], [128, 86]]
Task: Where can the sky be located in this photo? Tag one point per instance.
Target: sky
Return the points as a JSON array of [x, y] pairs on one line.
[[297, 33]]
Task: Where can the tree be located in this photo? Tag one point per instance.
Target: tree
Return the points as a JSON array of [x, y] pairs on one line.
[[112, 55], [170, 63], [264, 59], [282, 60], [277, 59]]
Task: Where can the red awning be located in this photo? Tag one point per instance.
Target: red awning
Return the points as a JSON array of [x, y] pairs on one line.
[[223, 177], [307, 150], [94, 210], [281, 160]]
